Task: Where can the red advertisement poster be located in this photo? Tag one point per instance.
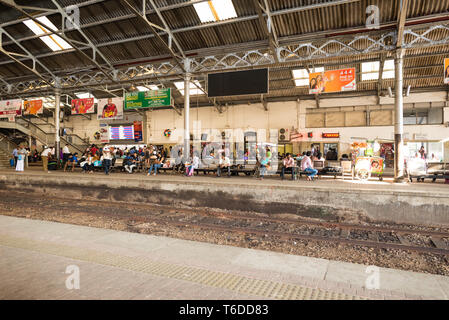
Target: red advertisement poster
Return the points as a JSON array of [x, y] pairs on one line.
[[332, 81], [80, 106]]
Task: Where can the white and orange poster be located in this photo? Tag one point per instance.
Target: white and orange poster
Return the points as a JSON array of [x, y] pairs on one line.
[[446, 70], [332, 81], [10, 108], [81, 106], [33, 107]]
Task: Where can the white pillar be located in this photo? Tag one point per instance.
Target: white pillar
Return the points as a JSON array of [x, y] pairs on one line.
[[57, 110], [186, 116], [399, 118]]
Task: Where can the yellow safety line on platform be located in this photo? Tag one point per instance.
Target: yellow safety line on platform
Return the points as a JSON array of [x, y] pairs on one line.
[[240, 284]]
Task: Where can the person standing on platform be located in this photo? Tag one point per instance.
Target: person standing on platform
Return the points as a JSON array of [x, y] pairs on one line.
[[107, 158], [15, 154], [45, 154], [264, 166], [21, 154], [65, 154], [423, 153]]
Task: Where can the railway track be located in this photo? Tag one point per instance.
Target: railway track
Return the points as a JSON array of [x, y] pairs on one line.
[[265, 227]]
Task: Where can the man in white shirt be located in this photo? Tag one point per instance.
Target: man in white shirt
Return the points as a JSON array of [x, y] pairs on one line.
[[224, 163], [65, 154], [107, 158], [45, 154]]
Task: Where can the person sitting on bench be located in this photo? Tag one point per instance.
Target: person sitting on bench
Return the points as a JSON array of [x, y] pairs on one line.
[[307, 167], [87, 165], [224, 163], [72, 160], [156, 164], [288, 164], [130, 163]]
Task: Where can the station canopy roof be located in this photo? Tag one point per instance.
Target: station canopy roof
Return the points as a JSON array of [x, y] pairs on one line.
[[117, 47]]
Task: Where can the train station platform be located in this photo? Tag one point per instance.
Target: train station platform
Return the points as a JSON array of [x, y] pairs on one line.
[[327, 199], [47, 260]]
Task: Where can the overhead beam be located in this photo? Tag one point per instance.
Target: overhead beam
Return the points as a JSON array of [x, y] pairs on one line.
[[254, 45], [19, 8], [402, 17], [167, 29], [380, 76], [268, 29]]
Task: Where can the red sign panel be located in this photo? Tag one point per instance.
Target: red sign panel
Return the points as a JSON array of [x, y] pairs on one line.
[[331, 135], [80, 106]]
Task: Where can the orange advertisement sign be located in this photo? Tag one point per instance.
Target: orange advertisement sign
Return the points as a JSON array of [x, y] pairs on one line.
[[446, 70], [332, 81], [80, 106], [33, 107]]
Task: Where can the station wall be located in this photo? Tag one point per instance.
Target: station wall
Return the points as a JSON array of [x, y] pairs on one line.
[[288, 115]]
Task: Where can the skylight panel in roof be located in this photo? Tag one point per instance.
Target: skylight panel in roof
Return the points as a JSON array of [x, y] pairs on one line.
[[194, 90], [301, 76], [370, 70], [142, 88], [204, 12], [215, 10], [154, 87], [54, 42], [224, 8], [86, 95], [388, 69]]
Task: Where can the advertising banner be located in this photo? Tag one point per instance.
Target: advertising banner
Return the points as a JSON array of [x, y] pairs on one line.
[[332, 81], [81, 106], [33, 107], [446, 70], [148, 99], [138, 133], [109, 109], [10, 107], [104, 133]]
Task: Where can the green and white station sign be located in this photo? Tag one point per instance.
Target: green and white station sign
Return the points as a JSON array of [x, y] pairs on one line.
[[148, 99]]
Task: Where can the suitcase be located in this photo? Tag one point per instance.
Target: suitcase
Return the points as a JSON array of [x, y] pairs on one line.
[[11, 162]]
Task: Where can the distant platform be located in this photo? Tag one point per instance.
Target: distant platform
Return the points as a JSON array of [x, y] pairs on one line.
[[45, 260], [412, 203]]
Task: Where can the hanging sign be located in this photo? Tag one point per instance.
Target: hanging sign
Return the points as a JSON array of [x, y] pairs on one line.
[[110, 109], [10, 107], [82, 106], [148, 99], [446, 70], [138, 134], [33, 107], [104, 133], [331, 135], [332, 81]]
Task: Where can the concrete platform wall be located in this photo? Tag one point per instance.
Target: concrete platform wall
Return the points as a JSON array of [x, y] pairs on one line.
[[336, 204]]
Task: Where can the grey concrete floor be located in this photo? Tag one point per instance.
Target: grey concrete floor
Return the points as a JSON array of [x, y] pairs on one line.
[[35, 256]]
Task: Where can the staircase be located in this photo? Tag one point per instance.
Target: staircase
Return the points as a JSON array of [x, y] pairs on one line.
[[4, 160], [6, 148], [45, 137]]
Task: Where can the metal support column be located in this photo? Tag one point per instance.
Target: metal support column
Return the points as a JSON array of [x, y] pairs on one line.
[[56, 115], [399, 118], [186, 152]]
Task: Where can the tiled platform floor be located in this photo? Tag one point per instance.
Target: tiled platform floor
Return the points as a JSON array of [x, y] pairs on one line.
[[120, 265]]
